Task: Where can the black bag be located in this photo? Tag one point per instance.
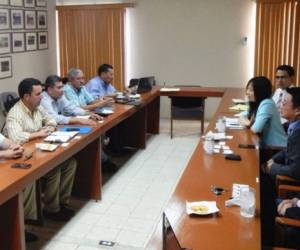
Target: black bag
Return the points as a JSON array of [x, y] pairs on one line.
[[10, 102]]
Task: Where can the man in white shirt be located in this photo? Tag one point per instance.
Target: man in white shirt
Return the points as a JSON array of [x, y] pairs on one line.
[[285, 75], [60, 108], [28, 120]]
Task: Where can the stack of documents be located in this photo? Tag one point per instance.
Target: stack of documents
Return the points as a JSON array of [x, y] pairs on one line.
[[233, 123], [61, 136], [169, 89], [237, 101], [239, 107]]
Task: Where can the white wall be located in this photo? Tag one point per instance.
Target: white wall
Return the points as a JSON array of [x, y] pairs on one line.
[[188, 42], [191, 42], [37, 64]]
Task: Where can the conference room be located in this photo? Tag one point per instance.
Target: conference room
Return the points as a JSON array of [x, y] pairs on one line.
[[165, 158]]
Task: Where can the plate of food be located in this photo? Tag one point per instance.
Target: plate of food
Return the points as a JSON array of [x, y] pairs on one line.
[[201, 207]]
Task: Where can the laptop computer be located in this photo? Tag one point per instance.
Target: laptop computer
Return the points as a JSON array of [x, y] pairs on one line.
[[170, 241], [145, 84]]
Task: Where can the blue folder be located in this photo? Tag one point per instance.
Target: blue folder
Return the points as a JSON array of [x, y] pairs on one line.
[[81, 130]]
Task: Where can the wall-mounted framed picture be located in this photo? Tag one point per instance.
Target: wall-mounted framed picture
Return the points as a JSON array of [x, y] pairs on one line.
[[41, 3], [5, 67], [4, 43], [4, 19], [3, 2], [30, 20], [42, 19], [29, 3], [16, 2], [31, 41], [17, 19], [43, 40], [18, 42]]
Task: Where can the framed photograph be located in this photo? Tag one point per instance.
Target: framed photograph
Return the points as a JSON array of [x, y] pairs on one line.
[[4, 43], [18, 42], [30, 20], [29, 3], [43, 40], [5, 67], [4, 19], [17, 19], [31, 41], [16, 2], [42, 19], [3, 2], [41, 3]]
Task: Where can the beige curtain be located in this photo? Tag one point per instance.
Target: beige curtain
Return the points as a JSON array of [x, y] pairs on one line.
[[277, 36], [90, 35]]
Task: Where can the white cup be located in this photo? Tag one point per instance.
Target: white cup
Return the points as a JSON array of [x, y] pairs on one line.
[[209, 146], [247, 202]]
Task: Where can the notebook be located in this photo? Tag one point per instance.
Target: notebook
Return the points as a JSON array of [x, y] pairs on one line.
[[80, 130]]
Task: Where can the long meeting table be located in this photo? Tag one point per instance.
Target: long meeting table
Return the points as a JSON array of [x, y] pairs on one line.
[[227, 230]]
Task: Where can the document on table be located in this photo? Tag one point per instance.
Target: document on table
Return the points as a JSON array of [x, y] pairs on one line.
[[61, 136], [237, 101], [169, 89], [239, 107], [233, 123]]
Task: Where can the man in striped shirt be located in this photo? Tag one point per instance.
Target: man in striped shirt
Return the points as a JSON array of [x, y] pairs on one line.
[[27, 121]]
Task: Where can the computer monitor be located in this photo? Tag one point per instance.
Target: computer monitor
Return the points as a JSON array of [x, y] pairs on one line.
[[170, 241]]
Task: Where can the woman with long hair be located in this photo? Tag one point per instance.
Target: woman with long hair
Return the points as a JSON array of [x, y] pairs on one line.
[[262, 116]]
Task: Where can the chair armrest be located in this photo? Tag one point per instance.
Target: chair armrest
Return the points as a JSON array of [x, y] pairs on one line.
[[281, 179], [288, 222], [284, 189]]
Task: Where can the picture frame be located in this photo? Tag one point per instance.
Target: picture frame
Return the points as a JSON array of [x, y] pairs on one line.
[[17, 19], [30, 19], [3, 2], [31, 41], [42, 40], [41, 3], [42, 19], [18, 42], [29, 3], [5, 43], [18, 3], [5, 67], [4, 19]]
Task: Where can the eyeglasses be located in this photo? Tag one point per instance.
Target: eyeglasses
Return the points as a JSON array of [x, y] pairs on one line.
[[281, 77]]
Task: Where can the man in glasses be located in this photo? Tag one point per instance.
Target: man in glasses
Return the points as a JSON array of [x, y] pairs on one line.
[[285, 75]]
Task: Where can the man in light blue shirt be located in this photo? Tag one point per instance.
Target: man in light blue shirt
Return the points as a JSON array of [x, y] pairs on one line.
[[100, 86], [60, 108], [76, 92]]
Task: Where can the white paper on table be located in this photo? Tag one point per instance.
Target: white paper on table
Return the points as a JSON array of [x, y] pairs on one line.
[[169, 89], [211, 205], [235, 101], [227, 152], [83, 116], [46, 146]]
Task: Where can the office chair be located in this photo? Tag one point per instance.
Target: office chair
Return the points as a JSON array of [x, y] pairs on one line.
[[187, 108], [282, 222]]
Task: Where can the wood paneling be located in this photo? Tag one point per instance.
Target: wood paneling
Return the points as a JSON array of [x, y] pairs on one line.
[[277, 36], [91, 35]]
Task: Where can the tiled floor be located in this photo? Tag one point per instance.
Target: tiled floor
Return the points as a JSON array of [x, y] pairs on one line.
[[133, 198]]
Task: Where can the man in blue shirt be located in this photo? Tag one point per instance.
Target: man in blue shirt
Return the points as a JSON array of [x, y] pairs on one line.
[[100, 86], [60, 108], [76, 92]]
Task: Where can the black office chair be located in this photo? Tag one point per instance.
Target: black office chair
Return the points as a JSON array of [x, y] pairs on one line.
[[133, 82], [187, 108]]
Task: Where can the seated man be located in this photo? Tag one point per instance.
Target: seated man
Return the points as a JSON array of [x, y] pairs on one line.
[[284, 79], [76, 92], [27, 121], [287, 162], [9, 150], [60, 108], [291, 209], [100, 86]]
